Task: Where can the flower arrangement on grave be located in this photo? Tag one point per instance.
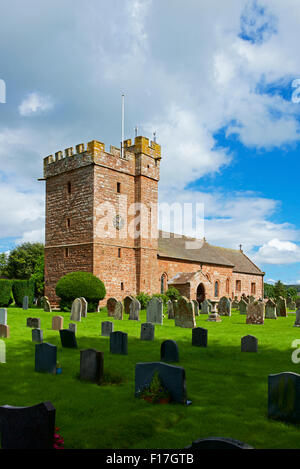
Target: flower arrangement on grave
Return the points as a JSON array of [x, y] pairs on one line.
[[58, 440], [155, 392], [58, 368]]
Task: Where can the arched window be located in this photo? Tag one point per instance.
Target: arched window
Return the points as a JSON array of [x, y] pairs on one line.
[[163, 283], [227, 285], [216, 289]]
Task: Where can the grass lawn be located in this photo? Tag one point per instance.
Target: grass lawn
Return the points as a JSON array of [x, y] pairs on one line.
[[228, 388]]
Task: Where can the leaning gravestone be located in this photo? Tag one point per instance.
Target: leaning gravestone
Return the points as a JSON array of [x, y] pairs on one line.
[[172, 378], [127, 302], [68, 338], [297, 322], [110, 305], [218, 443], [76, 310], [119, 343], [106, 328], [155, 311], [27, 427], [84, 307], [4, 331], [255, 313], [170, 307], [206, 307], [199, 337], [47, 306], [224, 306], [281, 307], [25, 302], [134, 310], [3, 316], [57, 323], [45, 358], [184, 313], [118, 313], [37, 335], [196, 307], [243, 306], [284, 397], [169, 351], [91, 365], [147, 331], [270, 312], [249, 343]]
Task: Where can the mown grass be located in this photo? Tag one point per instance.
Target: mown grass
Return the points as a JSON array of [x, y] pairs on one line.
[[228, 388]]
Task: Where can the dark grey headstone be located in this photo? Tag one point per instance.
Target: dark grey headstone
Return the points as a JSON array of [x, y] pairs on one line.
[[218, 443], [68, 338], [25, 302], [106, 328], [45, 358], [37, 335], [36, 323], [119, 342], [199, 337], [249, 343], [147, 331], [27, 427], [169, 351], [91, 365], [28, 322], [172, 378], [284, 397]]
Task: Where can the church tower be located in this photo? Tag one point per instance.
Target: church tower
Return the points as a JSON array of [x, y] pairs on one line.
[[101, 216]]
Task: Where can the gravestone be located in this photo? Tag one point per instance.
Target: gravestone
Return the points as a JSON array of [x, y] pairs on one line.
[[147, 331], [249, 343], [184, 313], [224, 306], [118, 313], [3, 316], [251, 299], [297, 322], [110, 305], [169, 351], [281, 307], [36, 323], [45, 358], [27, 427], [4, 331], [243, 306], [206, 307], [84, 307], [292, 306], [155, 311], [25, 302], [284, 397], [127, 302], [270, 312], [199, 337], [91, 365], [170, 308], [57, 323], [37, 335], [73, 327], [76, 310], [29, 322], [119, 343], [172, 378], [255, 313], [68, 338], [218, 443], [134, 310], [106, 328], [196, 307], [235, 304], [47, 306], [2, 351]]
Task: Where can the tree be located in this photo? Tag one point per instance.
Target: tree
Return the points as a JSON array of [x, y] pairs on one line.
[[268, 290], [22, 260], [3, 263], [292, 293], [279, 290], [38, 276]]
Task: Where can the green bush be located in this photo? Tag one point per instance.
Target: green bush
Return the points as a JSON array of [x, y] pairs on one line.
[[144, 299], [5, 292], [21, 288], [80, 284], [172, 293], [164, 298]]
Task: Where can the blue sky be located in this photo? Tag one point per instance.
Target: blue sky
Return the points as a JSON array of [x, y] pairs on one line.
[[214, 79]]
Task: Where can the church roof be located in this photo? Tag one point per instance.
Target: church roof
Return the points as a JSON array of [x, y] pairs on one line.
[[192, 249]]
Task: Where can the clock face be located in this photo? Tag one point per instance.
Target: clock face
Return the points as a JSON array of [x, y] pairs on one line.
[[118, 222]]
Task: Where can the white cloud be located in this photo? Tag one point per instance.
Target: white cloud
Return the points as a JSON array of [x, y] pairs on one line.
[[35, 103], [277, 252], [33, 236]]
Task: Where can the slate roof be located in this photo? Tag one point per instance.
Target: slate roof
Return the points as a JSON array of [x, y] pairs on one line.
[[192, 249]]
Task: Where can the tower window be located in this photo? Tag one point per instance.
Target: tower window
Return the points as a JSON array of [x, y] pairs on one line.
[[68, 222], [122, 286], [69, 187], [67, 253], [118, 187], [119, 252]]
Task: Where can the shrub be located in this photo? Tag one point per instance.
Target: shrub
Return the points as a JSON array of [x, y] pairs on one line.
[[5, 292], [172, 293], [164, 298], [80, 284], [144, 299], [23, 288]]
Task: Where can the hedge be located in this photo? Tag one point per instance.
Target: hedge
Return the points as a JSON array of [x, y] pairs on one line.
[[6, 297], [23, 288]]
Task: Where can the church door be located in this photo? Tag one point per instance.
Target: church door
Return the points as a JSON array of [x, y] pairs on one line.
[[200, 293]]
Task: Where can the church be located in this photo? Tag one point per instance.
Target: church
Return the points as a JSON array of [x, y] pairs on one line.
[[88, 185]]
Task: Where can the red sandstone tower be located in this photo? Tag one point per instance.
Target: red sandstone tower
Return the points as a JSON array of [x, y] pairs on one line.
[[101, 216]]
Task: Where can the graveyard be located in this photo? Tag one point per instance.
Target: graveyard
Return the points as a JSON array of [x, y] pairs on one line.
[[228, 389]]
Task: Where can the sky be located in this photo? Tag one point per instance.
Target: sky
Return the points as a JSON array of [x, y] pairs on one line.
[[216, 80]]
